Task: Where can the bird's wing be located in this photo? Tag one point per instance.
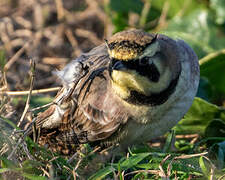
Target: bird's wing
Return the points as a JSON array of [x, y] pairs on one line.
[[84, 111], [75, 72], [98, 114], [89, 125]]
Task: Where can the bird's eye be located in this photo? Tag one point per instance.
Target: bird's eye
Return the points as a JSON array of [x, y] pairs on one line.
[[144, 61]]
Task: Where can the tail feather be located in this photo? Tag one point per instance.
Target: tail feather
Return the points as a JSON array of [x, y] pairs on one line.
[[57, 141]]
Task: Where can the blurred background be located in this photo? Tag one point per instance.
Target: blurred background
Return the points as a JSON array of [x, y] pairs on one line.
[[54, 32]]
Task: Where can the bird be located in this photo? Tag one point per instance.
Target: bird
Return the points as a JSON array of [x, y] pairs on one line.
[[134, 87]]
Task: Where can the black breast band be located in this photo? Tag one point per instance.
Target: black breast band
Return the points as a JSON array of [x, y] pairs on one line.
[[154, 99]]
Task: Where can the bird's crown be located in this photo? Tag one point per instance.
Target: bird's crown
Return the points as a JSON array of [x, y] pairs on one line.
[[129, 45]]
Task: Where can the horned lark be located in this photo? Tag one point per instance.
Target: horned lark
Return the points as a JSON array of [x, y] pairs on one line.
[[133, 88]]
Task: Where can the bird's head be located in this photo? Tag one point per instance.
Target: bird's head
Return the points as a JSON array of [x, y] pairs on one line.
[[144, 68]]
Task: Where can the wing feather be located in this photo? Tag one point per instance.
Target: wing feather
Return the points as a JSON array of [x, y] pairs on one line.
[[93, 116]]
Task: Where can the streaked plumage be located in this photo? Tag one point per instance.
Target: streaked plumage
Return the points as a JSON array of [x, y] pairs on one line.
[[134, 88]]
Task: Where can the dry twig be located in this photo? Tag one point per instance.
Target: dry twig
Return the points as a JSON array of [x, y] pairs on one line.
[[221, 177], [32, 75], [22, 93], [144, 13], [73, 42], [169, 168], [89, 35], [60, 10], [32, 70], [162, 19], [162, 174], [11, 61]]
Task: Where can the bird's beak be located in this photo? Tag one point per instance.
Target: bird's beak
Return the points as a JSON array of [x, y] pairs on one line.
[[118, 66]]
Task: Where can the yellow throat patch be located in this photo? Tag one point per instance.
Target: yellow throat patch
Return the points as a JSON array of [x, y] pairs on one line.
[[125, 81]]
